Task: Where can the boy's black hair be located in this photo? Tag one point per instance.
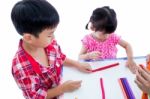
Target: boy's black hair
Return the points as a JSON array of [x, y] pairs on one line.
[[104, 19], [33, 16]]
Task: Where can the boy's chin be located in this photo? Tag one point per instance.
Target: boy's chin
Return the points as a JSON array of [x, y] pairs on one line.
[[46, 45]]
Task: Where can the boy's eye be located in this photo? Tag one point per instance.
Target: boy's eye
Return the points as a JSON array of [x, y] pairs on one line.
[[50, 35]]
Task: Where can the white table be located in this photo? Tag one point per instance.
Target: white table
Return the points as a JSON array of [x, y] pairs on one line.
[[90, 88]]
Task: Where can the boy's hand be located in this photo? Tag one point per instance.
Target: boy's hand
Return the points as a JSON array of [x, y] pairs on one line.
[[131, 65], [84, 67], [148, 58], [143, 79], [70, 86], [94, 55]]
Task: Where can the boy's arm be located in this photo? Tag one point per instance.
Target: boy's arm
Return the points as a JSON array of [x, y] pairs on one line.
[[84, 67], [130, 62], [31, 86], [54, 92], [67, 86]]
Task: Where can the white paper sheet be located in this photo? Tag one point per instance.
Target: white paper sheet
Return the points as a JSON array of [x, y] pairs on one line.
[[90, 88]]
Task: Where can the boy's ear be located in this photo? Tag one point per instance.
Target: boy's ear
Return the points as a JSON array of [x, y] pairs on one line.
[[27, 37]]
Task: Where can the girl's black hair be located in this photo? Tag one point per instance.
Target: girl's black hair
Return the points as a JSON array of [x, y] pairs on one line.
[[103, 19]]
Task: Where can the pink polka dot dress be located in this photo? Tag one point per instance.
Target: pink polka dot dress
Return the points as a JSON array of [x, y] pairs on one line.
[[107, 48]]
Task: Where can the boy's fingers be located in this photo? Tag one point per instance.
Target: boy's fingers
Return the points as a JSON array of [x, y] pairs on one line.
[[77, 82], [88, 71]]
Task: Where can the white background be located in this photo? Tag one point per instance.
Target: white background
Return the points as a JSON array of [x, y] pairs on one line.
[[133, 25]]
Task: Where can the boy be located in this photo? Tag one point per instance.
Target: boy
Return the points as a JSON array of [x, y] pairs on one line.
[[38, 62]]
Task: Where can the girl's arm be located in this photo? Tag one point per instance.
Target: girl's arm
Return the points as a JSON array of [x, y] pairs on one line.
[[128, 49], [130, 62], [83, 54]]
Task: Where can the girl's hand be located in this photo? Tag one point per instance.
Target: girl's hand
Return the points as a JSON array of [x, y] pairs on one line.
[[143, 79], [131, 65], [84, 67], [94, 55], [148, 58], [70, 86]]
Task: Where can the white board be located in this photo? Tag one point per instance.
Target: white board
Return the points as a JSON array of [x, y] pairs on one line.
[[90, 88]]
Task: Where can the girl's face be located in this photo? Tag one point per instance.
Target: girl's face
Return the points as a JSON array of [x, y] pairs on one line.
[[97, 32], [44, 39], [100, 33]]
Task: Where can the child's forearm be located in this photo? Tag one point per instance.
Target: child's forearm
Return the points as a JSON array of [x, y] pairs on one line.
[[51, 93], [129, 52], [84, 56], [71, 63]]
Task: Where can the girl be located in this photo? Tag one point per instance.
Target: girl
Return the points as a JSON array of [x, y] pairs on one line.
[[101, 43]]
